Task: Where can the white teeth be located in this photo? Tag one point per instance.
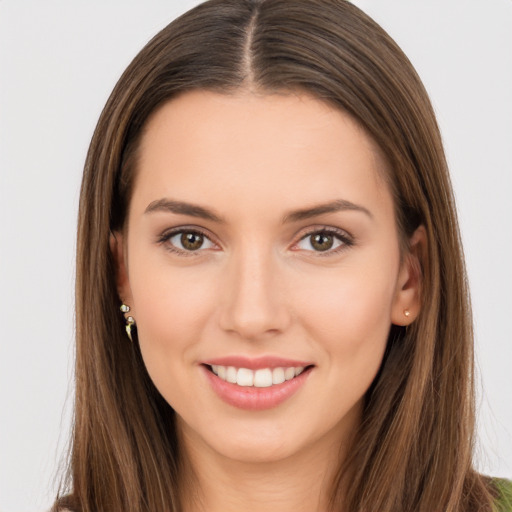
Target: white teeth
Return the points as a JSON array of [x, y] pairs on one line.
[[289, 373], [231, 374], [244, 377], [262, 378], [278, 376]]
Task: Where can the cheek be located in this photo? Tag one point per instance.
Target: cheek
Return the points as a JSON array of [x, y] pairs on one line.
[[349, 312], [168, 301], [170, 306]]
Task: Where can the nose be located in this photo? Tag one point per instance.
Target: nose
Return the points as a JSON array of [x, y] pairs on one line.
[[253, 301]]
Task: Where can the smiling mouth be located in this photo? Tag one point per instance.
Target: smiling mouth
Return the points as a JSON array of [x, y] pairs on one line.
[[261, 378]]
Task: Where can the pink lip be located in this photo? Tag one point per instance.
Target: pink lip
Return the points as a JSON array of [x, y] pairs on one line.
[[255, 363], [253, 398]]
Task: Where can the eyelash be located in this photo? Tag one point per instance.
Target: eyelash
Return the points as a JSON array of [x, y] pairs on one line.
[[346, 240]]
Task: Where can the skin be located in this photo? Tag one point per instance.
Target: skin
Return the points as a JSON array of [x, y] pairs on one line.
[[257, 286]]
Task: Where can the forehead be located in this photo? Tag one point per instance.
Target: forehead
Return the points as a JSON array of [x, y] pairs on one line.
[[202, 144]]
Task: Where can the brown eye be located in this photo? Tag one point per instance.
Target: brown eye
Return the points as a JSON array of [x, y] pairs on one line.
[[186, 241], [191, 241], [322, 241], [328, 240]]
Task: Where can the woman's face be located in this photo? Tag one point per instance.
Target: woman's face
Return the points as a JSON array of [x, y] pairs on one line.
[[261, 243]]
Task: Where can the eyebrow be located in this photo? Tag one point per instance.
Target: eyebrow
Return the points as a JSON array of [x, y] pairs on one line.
[[194, 210], [338, 205], [180, 207]]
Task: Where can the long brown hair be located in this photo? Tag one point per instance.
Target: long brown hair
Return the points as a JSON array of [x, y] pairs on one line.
[[414, 448]]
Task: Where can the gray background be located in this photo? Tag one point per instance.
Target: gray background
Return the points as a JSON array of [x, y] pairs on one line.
[[58, 63]]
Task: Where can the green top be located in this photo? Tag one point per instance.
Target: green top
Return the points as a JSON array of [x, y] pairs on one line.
[[504, 502]]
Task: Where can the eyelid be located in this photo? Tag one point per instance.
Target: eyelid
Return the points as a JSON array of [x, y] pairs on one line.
[[166, 235], [346, 238]]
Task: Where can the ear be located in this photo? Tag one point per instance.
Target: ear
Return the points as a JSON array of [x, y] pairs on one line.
[[117, 248], [407, 303]]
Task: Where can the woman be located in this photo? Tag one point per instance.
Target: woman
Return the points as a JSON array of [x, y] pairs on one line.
[[267, 201]]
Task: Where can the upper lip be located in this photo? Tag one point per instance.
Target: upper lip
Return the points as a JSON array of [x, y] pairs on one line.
[[256, 363]]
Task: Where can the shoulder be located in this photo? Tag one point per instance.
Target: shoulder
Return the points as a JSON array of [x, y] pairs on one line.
[[66, 503], [63, 504], [504, 499]]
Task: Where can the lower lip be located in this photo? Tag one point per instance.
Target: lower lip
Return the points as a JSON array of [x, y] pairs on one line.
[[253, 398]]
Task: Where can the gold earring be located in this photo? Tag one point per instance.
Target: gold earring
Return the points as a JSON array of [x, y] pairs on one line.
[[407, 312], [129, 321]]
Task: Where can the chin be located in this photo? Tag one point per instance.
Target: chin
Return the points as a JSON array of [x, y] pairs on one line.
[[257, 450]]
